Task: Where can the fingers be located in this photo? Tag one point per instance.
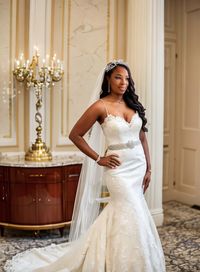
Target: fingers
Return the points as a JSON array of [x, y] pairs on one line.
[[145, 184], [112, 161]]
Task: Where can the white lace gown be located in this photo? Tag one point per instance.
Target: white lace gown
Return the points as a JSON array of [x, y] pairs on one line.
[[123, 238]]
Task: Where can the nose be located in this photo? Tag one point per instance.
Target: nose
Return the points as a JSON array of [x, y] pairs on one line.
[[124, 82]]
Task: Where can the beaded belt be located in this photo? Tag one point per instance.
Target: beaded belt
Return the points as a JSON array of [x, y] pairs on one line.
[[129, 144]]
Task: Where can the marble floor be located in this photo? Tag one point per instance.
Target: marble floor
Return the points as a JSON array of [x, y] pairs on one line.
[[180, 236]]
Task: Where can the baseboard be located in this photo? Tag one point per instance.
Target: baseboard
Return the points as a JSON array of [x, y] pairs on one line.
[[158, 216], [183, 198]]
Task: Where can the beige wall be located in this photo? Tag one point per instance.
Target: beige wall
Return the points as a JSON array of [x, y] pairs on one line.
[[85, 34]]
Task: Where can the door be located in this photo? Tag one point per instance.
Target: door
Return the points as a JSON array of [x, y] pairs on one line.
[[169, 101], [22, 203], [49, 202], [187, 140]]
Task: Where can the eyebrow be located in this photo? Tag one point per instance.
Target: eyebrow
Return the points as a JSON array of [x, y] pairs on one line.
[[120, 75]]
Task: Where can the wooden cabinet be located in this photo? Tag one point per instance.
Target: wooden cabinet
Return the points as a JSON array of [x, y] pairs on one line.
[[72, 176], [37, 198], [3, 195]]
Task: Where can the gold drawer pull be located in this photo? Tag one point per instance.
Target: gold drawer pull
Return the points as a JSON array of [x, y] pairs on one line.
[[36, 175]]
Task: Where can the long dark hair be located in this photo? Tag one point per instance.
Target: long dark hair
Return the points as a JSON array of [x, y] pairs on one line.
[[130, 97]]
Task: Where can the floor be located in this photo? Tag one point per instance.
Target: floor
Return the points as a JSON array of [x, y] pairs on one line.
[[180, 236]]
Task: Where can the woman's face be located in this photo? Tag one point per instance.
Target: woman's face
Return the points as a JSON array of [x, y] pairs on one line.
[[119, 80]]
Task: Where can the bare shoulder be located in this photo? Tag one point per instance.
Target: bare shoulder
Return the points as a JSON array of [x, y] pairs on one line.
[[97, 107]]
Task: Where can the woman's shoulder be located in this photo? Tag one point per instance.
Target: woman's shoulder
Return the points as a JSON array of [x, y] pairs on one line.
[[97, 106]]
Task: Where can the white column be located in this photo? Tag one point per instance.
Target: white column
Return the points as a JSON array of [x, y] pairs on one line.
[[39, 35], [145, 55]]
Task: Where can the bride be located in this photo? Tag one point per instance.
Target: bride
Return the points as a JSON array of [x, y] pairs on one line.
[[122, 237]]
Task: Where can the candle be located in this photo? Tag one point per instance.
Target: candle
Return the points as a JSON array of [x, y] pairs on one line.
[[36, 50], [27, 64], [58, 63], [21, 59]]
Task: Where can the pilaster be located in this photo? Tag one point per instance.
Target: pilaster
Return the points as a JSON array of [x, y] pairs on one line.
[[145, 55], [40, 37]]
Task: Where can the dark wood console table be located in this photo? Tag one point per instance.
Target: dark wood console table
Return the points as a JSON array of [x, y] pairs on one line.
[[36, 198]]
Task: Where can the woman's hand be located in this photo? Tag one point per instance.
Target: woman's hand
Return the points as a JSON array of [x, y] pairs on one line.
[[146, 180], [110, 161]]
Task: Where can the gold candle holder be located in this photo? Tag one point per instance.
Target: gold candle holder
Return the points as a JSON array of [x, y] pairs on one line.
[[38, 77]]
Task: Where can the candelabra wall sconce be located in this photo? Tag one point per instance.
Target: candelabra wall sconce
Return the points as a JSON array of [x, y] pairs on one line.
[[38, 77]]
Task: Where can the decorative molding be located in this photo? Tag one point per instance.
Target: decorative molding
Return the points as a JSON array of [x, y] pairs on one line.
[[64, 98], [9, 139]]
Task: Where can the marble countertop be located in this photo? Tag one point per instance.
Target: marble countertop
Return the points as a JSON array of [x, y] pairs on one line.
[[58, 160]]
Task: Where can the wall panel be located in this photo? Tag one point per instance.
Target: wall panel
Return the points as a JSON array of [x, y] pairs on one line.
[[87, 45]]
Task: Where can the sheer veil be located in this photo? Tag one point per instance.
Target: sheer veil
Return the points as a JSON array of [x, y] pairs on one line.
[[87, 205], [88, 196]]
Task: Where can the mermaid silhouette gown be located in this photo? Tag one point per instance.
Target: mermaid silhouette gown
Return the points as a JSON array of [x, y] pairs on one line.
[[123, 238]]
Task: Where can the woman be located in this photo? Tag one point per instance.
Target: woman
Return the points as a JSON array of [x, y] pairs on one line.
[[123, 237]]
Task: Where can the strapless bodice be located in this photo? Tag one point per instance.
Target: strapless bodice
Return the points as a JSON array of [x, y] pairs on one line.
[[117, 130]]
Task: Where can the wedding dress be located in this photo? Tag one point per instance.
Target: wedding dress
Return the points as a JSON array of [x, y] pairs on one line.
[[123, 238]]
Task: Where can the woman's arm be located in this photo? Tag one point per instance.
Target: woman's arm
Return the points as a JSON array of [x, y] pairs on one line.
[[82, 126], [144, 142], [92, 114], [147, 176]]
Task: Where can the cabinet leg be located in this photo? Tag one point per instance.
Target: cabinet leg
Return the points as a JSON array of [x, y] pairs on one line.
[[2, 231], [61, 231]]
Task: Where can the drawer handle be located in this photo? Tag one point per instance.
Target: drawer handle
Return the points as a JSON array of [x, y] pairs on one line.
[[36, 175], [73, 175]]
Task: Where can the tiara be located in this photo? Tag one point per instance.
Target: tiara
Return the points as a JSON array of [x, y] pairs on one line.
[[114, 63]]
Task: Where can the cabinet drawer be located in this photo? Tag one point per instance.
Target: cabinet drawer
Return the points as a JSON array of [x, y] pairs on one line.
[[72, 172], [36, 175]]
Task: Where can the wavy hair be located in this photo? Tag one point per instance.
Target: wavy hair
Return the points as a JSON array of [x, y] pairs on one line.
[[130, 97]]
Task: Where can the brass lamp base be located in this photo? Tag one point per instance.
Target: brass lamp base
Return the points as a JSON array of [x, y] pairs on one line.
[[38, 152]]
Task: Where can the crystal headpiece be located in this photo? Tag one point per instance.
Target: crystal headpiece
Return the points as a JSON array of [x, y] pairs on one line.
[[114, 63]]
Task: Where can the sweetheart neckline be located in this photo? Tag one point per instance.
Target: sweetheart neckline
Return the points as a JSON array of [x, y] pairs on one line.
[[119, 117]]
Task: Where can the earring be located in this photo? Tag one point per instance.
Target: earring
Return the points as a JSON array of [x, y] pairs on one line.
[[108, 87]]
